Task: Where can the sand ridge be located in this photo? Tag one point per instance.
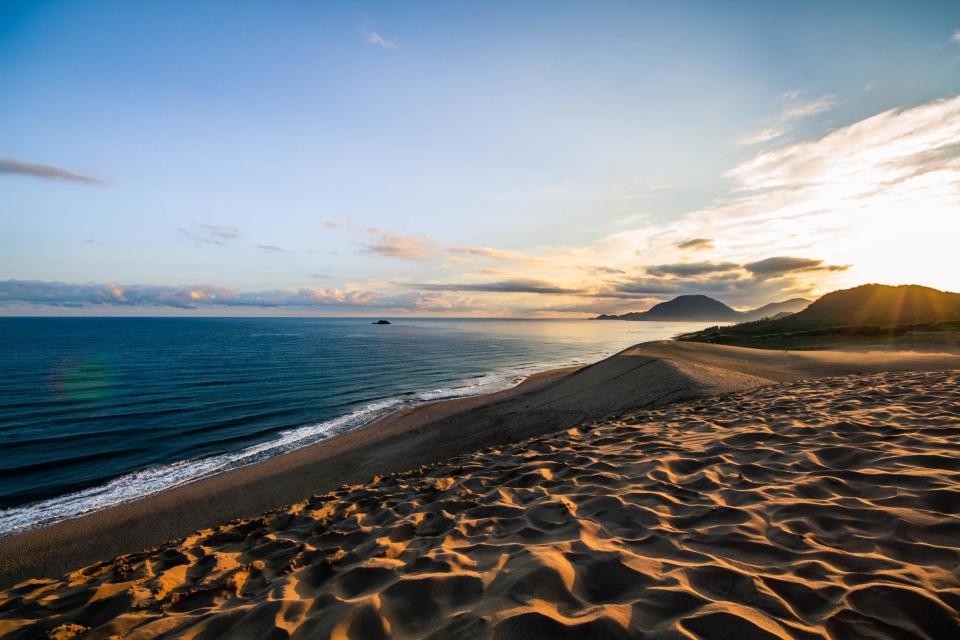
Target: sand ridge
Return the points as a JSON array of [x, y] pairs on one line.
[[812, 509]]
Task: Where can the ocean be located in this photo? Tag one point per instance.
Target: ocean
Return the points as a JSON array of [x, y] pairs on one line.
[[97, 411]]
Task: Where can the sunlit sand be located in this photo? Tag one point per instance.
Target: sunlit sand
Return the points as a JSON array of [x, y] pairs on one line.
[[808, 509]]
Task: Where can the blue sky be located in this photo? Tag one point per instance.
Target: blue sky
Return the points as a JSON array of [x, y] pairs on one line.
[[468, 158]]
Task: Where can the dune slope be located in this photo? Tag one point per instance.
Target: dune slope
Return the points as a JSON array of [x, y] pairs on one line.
[[812, 509]]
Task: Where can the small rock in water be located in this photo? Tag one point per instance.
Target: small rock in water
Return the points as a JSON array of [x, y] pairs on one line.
[[381, 322]]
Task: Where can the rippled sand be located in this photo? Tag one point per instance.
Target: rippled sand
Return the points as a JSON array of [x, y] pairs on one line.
[[818, 509]]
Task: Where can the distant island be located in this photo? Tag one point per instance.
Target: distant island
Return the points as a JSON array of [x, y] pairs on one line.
[[697, 308], [381, 322], [870, 313]]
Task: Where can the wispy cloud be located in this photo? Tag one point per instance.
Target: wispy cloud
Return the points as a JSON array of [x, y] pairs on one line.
[[856, 196], [696, 244], [387, 244], [485, 252], [210, 233], [799, 221], [506, 286], [272, 248], [794, 108], [608, 271], [223, 233], [691, 268], [375, 38], [956, 37], [764, 135], [805, 109], [45, 171], [782, 265], [405, 247]]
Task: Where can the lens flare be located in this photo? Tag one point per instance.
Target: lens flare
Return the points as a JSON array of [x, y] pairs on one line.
[[83, 380]]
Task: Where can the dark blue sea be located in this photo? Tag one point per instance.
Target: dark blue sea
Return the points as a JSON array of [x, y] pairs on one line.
[[96, 411]]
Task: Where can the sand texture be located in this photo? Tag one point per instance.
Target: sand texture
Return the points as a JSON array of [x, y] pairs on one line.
[[811, 509]]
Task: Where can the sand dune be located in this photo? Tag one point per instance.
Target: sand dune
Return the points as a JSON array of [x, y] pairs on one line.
[[644, 375], [428, 434], [812, 509]]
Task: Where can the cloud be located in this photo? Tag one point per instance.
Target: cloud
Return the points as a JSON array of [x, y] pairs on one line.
[[871, 201], [880, 194], [766, 135], [782, 265], [731, 287], [60, 294], [438, 302], [405, 247], [272, 248], [210, 233], [606, 270], [696, 244], [690, 268], [645, 287], [388, 244], [486, 252], [375, 38], [860, 160], [463, 254], [221, 233], [18, 167], [800, 110], [956, 37], [795, 109], [506, 286]]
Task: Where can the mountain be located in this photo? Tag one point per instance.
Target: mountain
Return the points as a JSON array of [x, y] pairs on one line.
[[865, 310], [681, 309], [877, 305], [777, 309], [697, 308]]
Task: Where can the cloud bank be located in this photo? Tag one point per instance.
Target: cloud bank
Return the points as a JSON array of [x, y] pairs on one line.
[[61, 294]]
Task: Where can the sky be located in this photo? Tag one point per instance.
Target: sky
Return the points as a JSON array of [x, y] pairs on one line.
[[534, 159]]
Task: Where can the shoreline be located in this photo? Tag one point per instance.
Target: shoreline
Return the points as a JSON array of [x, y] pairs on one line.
[[63, 533], [649, 374], [410, 413]]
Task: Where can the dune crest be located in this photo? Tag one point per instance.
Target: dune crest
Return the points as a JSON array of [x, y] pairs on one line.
[[818, 509]]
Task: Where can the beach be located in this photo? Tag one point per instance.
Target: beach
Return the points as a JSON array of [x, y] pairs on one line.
[[673, 490], [480, 321]]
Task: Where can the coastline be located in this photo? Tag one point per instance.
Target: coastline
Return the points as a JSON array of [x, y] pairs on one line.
[[72, 505], [55, 548], [649, 374]]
